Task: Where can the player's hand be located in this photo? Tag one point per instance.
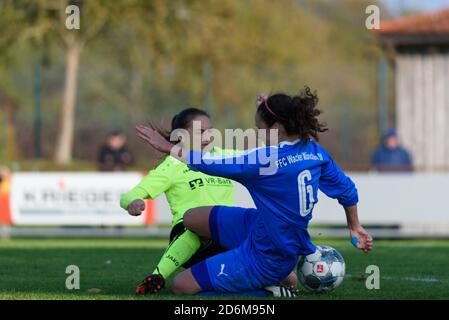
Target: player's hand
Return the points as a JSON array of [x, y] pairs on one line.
[[361, 239], [261, 97], [136, 207], [154, 138]]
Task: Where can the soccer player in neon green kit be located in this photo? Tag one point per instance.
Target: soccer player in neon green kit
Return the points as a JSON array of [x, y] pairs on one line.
[[184, 189]]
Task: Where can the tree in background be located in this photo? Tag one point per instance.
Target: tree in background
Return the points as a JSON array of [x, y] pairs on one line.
[[8, 109], [51, 23], [138, 60], [43, 22]]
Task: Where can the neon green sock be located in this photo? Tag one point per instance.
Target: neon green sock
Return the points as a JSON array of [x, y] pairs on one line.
[[180, 250]]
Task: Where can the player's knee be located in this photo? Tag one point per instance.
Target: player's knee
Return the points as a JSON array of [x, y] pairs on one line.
[[188, 219], [197, 220], [291, 280], [180, 286], [177, 287]]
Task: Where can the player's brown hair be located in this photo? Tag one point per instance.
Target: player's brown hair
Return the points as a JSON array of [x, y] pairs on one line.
[[182, 120], [298, 114]]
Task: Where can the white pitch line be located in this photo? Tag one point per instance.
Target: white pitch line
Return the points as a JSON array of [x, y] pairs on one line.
[[411, 279], [414, 279]]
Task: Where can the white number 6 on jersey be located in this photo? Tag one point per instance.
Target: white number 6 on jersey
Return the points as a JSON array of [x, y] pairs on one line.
[[305, 191]]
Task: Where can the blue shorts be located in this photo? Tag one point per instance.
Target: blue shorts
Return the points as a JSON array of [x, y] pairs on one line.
[[243, 267], [230, 226]]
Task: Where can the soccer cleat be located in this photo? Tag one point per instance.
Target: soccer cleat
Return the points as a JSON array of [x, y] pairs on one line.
[[152, 283], [282, 291]]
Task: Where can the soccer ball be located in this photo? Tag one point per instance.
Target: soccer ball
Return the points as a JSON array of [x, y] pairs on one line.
[[321, 271]]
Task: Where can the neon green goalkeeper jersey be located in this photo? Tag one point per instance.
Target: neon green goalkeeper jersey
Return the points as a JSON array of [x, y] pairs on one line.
[[184, 188]]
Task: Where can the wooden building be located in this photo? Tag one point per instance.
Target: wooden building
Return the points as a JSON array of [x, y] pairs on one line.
[[420, 49]]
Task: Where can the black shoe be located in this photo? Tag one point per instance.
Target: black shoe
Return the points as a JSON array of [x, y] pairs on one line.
[[152, 283]]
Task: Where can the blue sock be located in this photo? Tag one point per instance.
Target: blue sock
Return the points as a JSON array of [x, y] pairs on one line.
[[255, 293]]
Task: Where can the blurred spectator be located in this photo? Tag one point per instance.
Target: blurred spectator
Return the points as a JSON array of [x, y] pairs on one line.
[[390, 156], [114, 156]]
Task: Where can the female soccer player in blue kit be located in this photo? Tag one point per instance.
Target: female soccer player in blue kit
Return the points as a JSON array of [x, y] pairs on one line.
[[264, 243]]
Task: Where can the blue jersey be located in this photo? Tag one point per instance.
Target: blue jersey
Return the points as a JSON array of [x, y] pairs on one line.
[[283, 181]]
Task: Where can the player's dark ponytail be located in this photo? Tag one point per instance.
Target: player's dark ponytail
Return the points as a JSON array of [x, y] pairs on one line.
[[297, 114], [182, 120]]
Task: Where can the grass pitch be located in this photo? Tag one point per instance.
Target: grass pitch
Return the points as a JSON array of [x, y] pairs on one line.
[[110, 269]]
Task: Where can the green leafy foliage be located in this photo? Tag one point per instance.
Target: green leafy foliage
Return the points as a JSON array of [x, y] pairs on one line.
[[146, 60]]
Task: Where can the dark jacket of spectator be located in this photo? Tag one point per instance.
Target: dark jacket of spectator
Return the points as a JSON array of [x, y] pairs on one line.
[[390, 156], [114, 156]]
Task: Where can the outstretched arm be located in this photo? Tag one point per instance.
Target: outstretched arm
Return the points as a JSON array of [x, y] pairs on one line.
[[335, 184], [238, 167], [152, 185], [360, 238], [132, 201], [157, 141]]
